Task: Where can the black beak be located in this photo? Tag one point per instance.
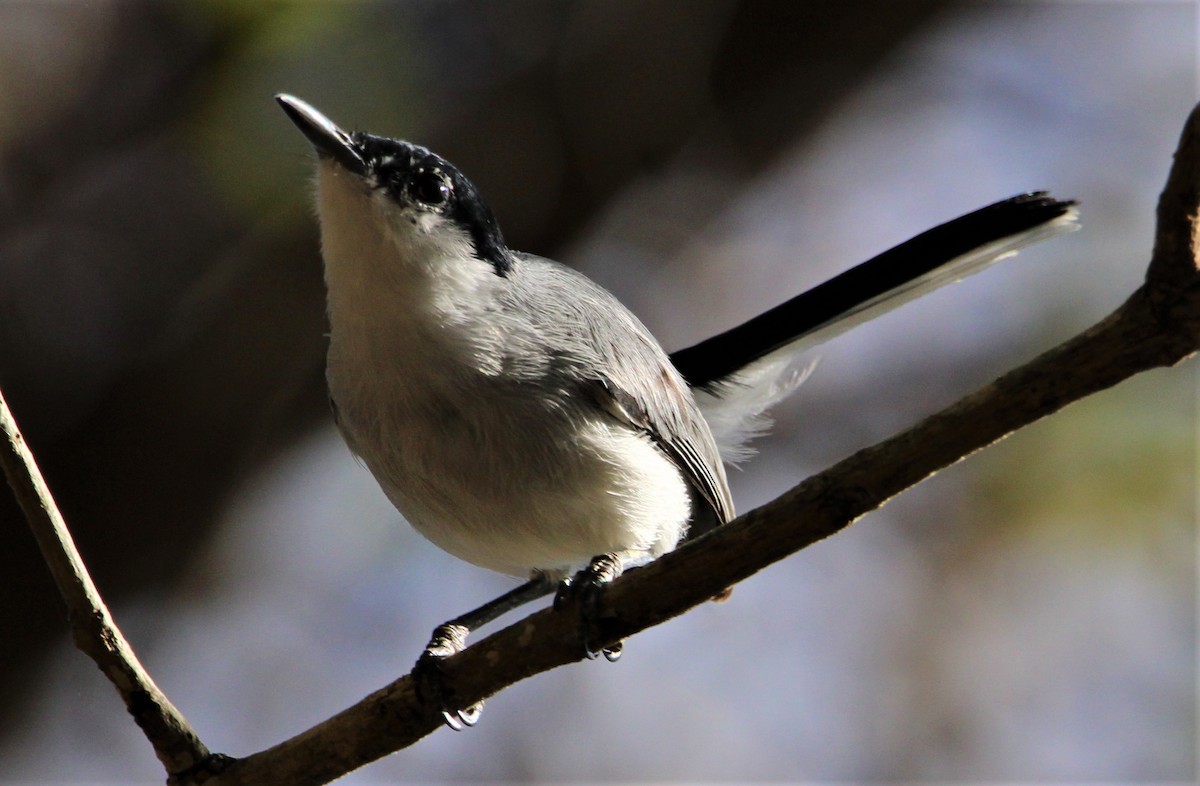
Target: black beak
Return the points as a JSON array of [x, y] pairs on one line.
[[327, 138]]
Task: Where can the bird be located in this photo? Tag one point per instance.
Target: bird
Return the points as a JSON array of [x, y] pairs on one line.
[[519, 416]]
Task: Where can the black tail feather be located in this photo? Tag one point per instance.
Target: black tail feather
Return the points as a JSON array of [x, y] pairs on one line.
[[725, 353]]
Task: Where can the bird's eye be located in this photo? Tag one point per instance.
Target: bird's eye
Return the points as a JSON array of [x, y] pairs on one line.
[[430, 187]]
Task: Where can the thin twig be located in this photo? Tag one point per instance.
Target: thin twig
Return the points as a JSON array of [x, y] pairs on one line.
[[174, 741]]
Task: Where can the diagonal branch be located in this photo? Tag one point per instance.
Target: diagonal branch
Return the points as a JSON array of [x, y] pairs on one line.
[[174, 741], [1159, 325]]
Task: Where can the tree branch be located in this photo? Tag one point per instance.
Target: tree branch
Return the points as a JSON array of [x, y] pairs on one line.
[[1159, 325], [174, 741]]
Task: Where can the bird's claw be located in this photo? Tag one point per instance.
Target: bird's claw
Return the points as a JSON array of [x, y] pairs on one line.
[[585, 589], [463, 719], [611, 653], [447, 640]]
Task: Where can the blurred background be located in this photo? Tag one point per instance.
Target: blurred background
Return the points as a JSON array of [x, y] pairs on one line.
[[1029, 614]]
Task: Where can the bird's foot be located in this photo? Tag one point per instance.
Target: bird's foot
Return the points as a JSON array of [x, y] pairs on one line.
[[585, 589], [447, 640]]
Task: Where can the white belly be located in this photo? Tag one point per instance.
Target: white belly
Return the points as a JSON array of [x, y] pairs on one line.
[[620, 494], [516, 485]]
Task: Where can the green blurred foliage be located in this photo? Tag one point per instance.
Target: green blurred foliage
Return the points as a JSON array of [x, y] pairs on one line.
[[240, 138], [1114, 471]]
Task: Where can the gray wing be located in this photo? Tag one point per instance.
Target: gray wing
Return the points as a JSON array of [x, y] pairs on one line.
[[628, 373], [686, 450]]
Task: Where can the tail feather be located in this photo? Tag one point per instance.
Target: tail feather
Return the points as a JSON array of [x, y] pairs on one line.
[[739, 374]]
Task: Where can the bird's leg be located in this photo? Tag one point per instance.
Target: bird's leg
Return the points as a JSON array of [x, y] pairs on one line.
[[451, 637], [586, 587]]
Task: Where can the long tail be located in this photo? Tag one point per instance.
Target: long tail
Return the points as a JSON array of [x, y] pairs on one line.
[[737, 375]]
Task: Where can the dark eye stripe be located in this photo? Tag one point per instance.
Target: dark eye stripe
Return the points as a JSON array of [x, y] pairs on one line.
[[412, 176], [431, 187]]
